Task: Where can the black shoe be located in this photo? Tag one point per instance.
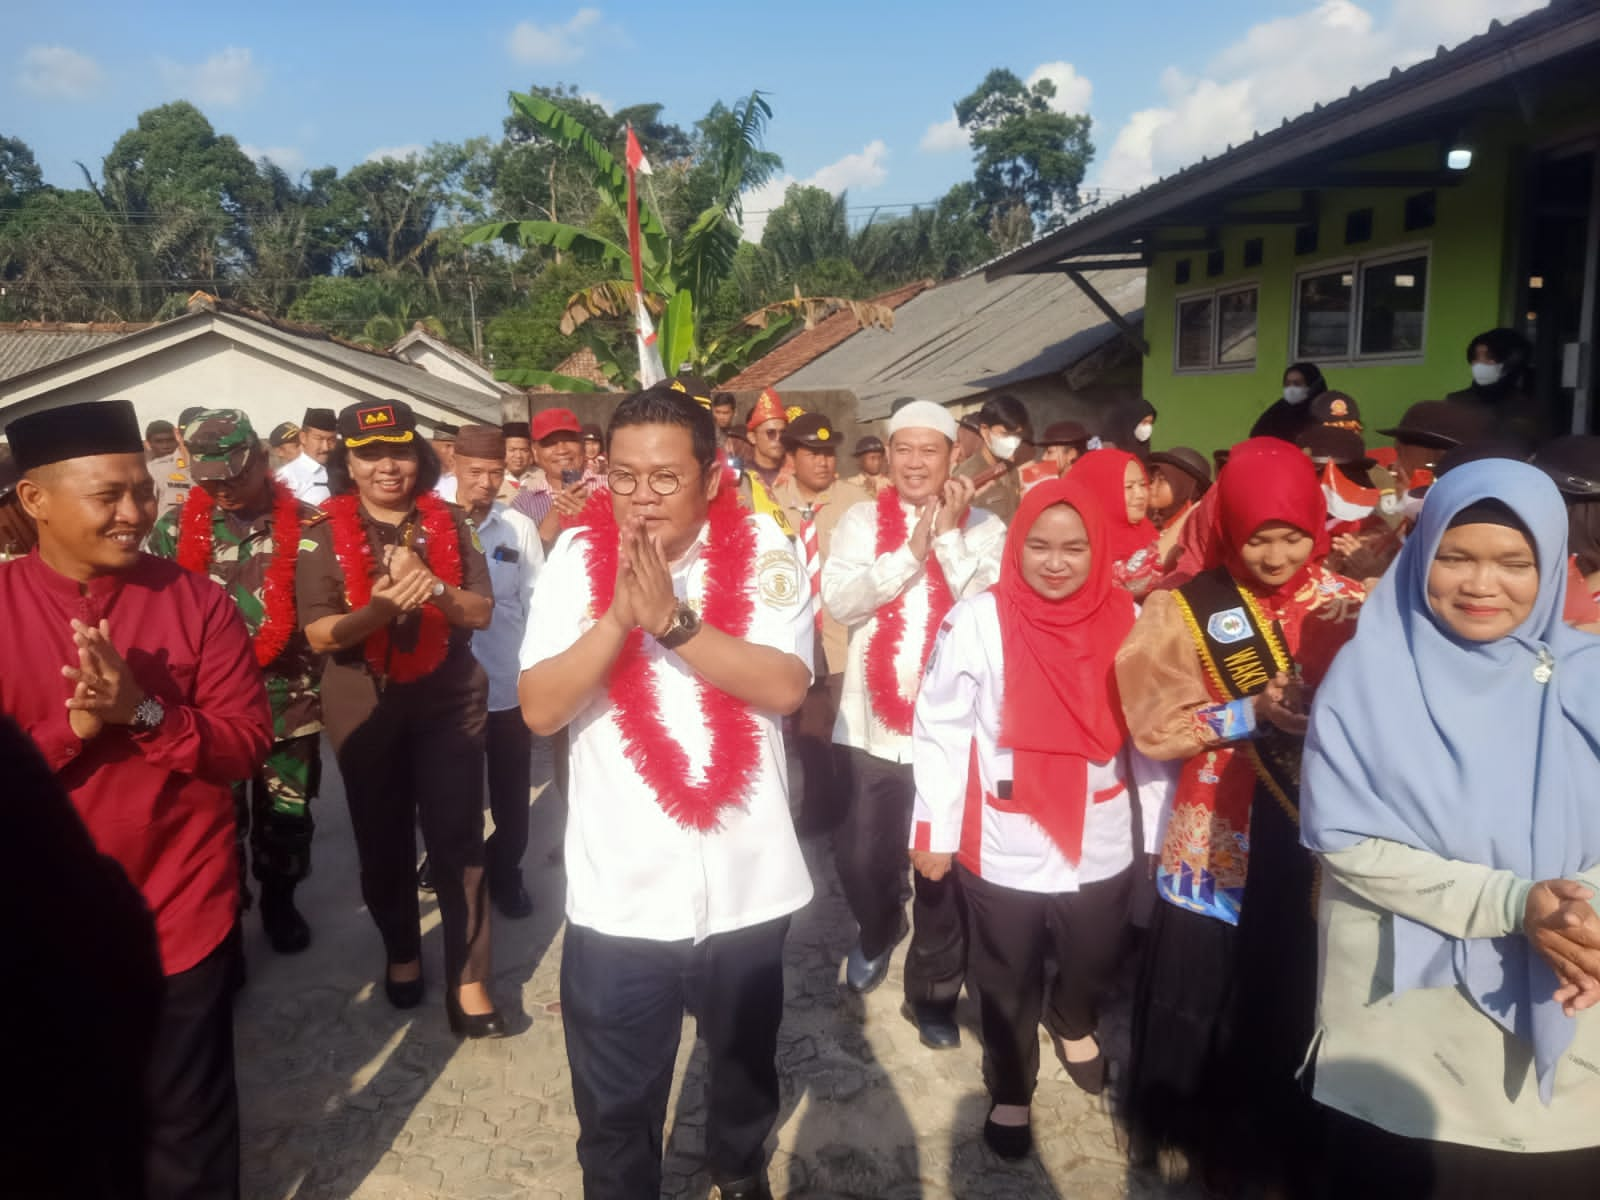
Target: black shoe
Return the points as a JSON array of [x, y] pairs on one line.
[[751, 1187], [474, 1025], [286, 929], [936, 1024], [1010, 1142], [512, 898], [1090, 1075], [402, 993], [425, 876]]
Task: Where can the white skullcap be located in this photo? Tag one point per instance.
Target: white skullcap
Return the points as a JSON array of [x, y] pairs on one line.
[[923, 414]]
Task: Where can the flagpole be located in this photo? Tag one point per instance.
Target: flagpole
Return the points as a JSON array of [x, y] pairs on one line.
[[651, 371]]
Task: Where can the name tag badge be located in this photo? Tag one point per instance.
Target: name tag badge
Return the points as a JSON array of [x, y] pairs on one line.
[[505, 554], [1229, 627]]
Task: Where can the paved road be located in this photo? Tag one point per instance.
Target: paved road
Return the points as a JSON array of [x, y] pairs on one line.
[[342, 1096]]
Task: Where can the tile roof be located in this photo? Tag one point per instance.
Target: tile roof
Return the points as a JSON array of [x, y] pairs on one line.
[[28, 345], [968, 336], [813, 343], [580, 364]]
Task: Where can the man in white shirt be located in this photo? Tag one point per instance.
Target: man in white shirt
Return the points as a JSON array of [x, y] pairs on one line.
[[512, 549], [896, 565], [307, 475], [669, 635]]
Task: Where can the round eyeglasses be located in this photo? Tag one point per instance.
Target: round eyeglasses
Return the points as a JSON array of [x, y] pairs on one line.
[[662, 482]]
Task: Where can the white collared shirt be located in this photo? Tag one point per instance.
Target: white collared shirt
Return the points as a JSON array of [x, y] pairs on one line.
[[959, 709], [857, 583], [632, 871], [307, 479], [515, 555]]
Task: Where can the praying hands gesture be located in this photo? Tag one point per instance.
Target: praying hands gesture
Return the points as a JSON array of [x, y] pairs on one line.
[[106, 691], [1564, 928], [644, 598]]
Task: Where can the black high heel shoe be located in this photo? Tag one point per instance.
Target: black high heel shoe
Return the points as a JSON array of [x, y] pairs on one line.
[[402, 993], [474, 1025]]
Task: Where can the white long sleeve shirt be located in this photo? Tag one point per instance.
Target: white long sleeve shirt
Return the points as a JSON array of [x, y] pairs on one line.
[[958, 719], [307, 479], [633, 871], [857, 582], [510, 544]]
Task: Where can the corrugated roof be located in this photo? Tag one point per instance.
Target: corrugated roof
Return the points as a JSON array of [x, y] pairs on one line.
[[1501, 54], [813, 343], [28, 345], [969, 336]]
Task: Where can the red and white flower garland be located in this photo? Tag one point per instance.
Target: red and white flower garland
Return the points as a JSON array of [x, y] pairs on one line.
[[657, 756], [883, 680], [354, 552], [196, 538]]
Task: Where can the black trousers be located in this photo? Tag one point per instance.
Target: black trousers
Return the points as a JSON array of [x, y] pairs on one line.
[[509, 747], [409, 755], [192, 1141], [622, 1005], [871, 856], [1009, 932]]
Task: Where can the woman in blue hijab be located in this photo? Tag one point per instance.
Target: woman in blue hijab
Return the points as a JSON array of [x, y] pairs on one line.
[[1452, 795]]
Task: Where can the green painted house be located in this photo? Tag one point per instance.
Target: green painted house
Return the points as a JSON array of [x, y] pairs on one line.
[[1375, 236]]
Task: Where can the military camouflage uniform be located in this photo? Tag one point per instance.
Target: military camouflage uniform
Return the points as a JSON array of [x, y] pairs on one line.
[[279, 822]]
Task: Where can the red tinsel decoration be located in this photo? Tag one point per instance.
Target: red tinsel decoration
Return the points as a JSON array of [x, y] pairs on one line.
[[443, 555], [735, 736], [883, 682], [196, 532]]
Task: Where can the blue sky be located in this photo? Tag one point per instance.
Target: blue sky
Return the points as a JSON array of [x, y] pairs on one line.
[[862, 90]]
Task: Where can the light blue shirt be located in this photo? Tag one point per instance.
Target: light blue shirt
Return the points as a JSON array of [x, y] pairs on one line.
[[516, 556]]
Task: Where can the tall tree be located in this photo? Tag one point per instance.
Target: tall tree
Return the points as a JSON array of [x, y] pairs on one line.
[[1029, 158], [807, 227], [19, 172]]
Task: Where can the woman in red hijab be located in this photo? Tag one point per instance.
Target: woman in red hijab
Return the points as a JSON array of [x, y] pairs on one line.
[[1120, 484], [1216, 677], [1024, 783]]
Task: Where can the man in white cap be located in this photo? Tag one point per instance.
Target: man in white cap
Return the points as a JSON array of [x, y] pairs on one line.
[[898, 563]]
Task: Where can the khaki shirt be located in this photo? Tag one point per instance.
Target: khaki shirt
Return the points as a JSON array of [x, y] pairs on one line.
[[828, 508], [871, 484], [171, 475], [1001, 496]]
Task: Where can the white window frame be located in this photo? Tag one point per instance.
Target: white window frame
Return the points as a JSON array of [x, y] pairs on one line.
[[1215, 295], [1357, 266]]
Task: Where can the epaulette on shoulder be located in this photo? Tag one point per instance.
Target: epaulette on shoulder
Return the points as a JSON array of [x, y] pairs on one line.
[[311, 516]]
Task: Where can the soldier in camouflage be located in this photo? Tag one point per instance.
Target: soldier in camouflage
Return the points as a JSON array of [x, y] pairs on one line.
[[233, 480]]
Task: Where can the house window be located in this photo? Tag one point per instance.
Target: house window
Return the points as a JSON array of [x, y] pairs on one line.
[[1364, 309], [1217, 330]]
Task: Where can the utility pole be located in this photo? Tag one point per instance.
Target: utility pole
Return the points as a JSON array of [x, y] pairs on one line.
[[477, 334]]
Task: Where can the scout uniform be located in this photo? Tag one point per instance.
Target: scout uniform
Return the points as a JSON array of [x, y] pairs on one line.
[[274, 807], [1001, 496]]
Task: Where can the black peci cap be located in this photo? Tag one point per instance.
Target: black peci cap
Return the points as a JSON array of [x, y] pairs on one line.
[[320, 418], [83, 430]]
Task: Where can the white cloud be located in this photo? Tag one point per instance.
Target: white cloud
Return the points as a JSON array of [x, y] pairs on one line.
[[291, 160], [864, 169], [1264, 77], [228, 77], [59, 73], [546, 44], [1073, 91], [944, 136], [402, 152]]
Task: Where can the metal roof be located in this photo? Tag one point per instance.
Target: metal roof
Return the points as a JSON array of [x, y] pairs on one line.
[[1396, 106], [969, 336], [30, 345]]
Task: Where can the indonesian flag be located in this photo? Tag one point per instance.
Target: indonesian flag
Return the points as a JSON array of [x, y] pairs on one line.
[[1348, 502], [651, 372], [637, 162]]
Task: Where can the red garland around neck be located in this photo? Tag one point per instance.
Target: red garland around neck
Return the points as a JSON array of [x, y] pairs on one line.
[[658, 757], [883, 681], [354, 552], [196, 539]]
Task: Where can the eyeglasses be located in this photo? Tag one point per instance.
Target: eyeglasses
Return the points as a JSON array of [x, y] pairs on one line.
[[662, 482], [772, 435]]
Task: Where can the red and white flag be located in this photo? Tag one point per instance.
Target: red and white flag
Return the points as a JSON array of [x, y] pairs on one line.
[[1348, 501], [651, 372]]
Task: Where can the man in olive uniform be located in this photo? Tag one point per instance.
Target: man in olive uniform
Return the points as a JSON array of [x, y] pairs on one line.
[[171, 471], [1003, 426], [231, 468], [813, 499]]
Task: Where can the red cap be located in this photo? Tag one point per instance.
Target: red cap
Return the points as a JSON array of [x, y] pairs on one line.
[[555, 420]]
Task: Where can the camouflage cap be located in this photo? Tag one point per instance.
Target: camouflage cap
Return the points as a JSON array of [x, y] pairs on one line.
[[220, 442]]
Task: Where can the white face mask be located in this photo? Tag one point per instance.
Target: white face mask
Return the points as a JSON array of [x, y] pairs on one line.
[[1485, 374], [1296, 395], [1143, 430], [1004, 445]]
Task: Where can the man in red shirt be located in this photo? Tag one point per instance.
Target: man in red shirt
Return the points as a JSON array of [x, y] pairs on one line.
[[137, 682]]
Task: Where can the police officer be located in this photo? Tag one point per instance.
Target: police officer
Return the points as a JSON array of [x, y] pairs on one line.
[[391, 587], [242, 528], [171, 470]]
